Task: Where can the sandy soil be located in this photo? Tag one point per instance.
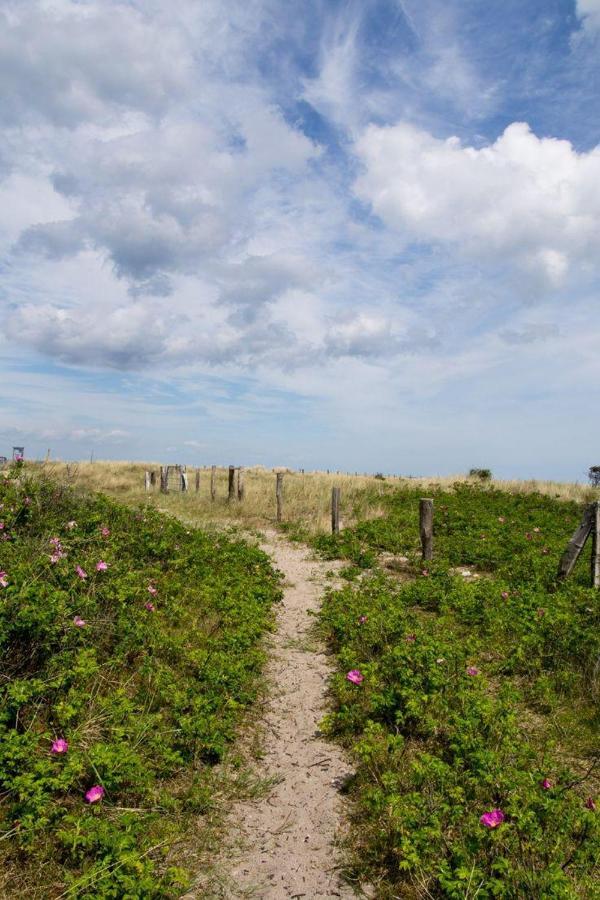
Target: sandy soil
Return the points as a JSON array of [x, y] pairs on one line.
[[284, 845]]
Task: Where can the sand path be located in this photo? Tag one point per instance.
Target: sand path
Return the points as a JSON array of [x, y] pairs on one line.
[[284, 845]]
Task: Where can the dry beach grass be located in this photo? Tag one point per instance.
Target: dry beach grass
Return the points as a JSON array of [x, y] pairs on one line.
[[307, 496]]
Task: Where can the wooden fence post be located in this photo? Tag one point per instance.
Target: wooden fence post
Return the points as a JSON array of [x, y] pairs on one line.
[[147, 481], [335, 510], [426, 526], [241, 487], [164, 480], [577, 543], [152, 477], [596, 544], [184, 481], [213, 482], [197, 480], [231, 492], [279, 495]]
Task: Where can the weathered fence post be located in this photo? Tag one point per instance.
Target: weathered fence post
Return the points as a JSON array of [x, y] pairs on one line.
[[596, 544], [213, 482], [184, 481], [241, 487], [164, 480], [426, 526], [147, 481], [197, 480], [231, 492], [335, 510], [577, 543], [279, 495], [152, 477]]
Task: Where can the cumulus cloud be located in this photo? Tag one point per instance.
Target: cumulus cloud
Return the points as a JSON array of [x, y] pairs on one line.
[[589, 12], [525, 201]]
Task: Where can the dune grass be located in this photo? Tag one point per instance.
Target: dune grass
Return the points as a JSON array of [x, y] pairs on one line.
[[307, 496]]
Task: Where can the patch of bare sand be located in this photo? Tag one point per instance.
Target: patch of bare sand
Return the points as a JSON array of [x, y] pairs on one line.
[[285, 845]]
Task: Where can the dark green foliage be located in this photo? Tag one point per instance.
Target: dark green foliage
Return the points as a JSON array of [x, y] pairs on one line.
[[146, 698], [435, 746], [482, 474]]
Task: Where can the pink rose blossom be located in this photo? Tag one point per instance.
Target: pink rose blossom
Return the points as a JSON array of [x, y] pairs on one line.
[[425, 572], [101, 566], [472, 670], [492, 819], [95, 793], [104, 531], [150, 606], [3, 579], [362, 620], [410, 637], [546, 784], [505, 595], [27, 501], [81, 572], [355, 676], [79, 622], [55, 542], [152, 590], [590, 804], [59, 746], [57, 555]]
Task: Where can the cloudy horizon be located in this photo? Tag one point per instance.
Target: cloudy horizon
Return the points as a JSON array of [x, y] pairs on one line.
[[348, 235]]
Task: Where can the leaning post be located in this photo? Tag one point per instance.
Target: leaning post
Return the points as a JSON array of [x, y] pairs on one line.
[[577, 543], [596, 544], [426, 526]]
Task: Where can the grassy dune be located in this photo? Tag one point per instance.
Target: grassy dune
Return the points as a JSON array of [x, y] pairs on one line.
[[307, 497]]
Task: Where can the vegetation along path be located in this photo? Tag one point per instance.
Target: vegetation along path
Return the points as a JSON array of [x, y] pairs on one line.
[[285, 844]]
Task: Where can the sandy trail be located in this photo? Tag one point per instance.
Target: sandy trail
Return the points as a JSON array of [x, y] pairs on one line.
[[285, 844]]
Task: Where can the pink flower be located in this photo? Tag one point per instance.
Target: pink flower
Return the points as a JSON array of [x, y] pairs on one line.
[[81, 572], [55, 542], [3, 579], [362, 620], [529, 536], [472, 670], [492, 819], [150, 606], [104, 531], [425, 572], [59, 746], [27, 501], [101, 566], [355, 676], [410, 637], [57, 555], [152, 590], [95, 793], [590, 804], [505, 595], [1, 526], [79, 622], [546, 784]]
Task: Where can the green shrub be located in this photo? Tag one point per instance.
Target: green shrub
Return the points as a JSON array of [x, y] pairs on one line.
[[468, 682], [146, 693]]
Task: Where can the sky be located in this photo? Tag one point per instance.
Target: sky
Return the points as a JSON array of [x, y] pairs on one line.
[[349, 234]]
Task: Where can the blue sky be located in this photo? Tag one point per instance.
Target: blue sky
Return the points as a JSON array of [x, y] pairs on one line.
[[355, 235]]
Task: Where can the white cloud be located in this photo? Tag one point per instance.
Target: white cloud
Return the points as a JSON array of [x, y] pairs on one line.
[[523, 201], [589, 12]]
